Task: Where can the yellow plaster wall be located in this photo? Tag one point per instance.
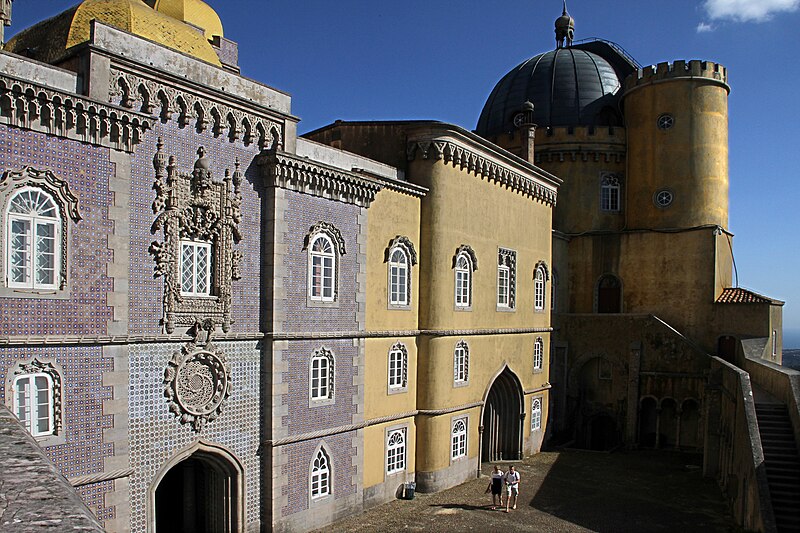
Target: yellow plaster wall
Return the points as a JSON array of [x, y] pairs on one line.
[[691, 158], [378, 401], [462, 208], [375, 452]]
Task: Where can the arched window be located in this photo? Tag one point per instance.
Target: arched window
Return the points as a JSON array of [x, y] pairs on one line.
[[538, 288], [320, 475], [459, 439], [33, 249], [33, 403], [398, 368], [322, 269], [396, 451], [398, 277], [461, 363], [321, 375], [506, 278], [538, 354], [609, 294], [609, 192], [536, 414], [463, 270]]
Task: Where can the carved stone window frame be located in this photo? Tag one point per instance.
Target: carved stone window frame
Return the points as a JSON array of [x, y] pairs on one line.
[[54, 372], [15, 181], [541, 275], [461, 364], [337, 241], [610, 192], [468, 254], [396, 348], [194, 207], [507, 260], [405, 245], [322, 353]]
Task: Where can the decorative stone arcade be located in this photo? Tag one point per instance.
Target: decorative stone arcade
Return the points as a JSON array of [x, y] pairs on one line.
[[503, 416]]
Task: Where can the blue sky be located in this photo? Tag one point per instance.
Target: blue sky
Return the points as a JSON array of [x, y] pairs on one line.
[[439, 59]]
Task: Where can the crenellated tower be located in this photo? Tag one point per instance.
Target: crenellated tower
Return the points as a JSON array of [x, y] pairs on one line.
[[676, 115]]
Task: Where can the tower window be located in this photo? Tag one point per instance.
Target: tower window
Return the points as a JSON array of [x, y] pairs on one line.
[[609, 192], [33, 252], [663, 198], [665, 121]]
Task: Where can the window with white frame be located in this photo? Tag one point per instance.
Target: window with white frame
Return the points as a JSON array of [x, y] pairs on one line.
[[461, 363], [536, 414], [321, 375], [398, 367], [33, 403], [506, 278], [538, 354], [458, 441], [396, 451], [399, 274], [320, 475], [195, 268], [321, 269], [539, 279], [463, 271], [609, 192], [33, 240]]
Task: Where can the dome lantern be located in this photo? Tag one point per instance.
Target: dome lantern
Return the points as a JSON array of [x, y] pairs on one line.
[[565, 28]]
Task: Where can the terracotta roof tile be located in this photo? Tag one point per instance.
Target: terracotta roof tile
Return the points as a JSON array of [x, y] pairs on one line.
[[736, 295]]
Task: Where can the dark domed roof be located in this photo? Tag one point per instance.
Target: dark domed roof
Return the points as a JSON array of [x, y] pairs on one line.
[[568, 87]]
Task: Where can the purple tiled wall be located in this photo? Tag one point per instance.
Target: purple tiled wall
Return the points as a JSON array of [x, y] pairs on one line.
[[147, 292], [86, 169]]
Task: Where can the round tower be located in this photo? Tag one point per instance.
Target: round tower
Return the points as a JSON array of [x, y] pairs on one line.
[[676, 116]]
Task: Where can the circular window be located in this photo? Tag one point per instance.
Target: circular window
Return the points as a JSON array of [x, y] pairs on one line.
[[663, 198], [665, 121]]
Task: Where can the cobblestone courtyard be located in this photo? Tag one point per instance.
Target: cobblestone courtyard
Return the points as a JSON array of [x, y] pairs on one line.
[[570, 491]]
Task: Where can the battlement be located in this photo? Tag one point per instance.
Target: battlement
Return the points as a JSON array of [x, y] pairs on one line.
[[612, 134], [677, 70]]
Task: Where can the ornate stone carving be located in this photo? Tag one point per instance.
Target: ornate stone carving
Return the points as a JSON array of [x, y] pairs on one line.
[[197, 380], [331, 231], [194, 207], [154, 97], [460, 156], [286, 171], [38, 367], [544, 267], [34, 107], [466, 249], [58, 189], [403, 242]]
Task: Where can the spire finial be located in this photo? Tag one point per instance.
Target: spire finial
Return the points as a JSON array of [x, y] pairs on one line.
[[565, 28]]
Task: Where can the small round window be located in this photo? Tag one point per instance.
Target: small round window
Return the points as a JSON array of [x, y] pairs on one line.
[[663, 198], [665, 121]]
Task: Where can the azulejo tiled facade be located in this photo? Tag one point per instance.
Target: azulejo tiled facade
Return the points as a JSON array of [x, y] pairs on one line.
[[285, 330]]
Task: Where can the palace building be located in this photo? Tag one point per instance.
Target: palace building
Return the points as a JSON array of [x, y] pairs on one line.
[[210, 323]]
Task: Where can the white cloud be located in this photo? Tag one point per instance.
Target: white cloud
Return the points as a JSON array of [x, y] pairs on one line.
[[747, 10], [704, 27]]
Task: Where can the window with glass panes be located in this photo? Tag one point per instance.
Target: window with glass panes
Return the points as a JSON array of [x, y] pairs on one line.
[[320, 476], [538, 354], [463, 281], [33, 403], [536, 414], [459, 439], [398, 277], [396, 451], [322, 375], [538, 289], [33, 246], [461, 362], [322, 269], [398, 365], [609, 193], [195, 268]]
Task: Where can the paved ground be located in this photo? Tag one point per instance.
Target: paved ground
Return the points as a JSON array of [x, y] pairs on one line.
[[570, 491]]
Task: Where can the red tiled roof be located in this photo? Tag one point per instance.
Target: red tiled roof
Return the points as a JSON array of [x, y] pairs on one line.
[[736, 295]]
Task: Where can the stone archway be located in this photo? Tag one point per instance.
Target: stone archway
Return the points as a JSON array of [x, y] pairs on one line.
[[503, 415], [199, 491]]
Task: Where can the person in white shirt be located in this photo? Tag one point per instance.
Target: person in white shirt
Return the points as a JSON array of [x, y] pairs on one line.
[[512, 485], [496, 486]]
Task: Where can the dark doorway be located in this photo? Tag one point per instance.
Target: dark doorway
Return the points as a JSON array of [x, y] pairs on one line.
[[603, 433], [726, 348], [502, 420], [198, 495], [609, 294], [648, 423]]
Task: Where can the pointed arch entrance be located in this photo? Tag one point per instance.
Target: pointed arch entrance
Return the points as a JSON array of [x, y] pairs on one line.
[[200, 491], [503, 416]]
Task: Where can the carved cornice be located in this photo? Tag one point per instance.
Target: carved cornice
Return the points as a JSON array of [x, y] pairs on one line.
[[466, 249], [463, 157], [328, 229], [286, 171], [403, 242], [35, 107], [164, 100], [545, 268], [14, 179]]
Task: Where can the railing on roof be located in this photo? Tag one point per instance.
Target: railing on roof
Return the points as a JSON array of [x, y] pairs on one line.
[[613, 45]]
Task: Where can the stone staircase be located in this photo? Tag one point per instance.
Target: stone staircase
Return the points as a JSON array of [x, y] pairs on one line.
[[782, 462]]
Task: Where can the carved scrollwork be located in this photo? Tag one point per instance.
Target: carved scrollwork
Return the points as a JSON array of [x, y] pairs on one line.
[[403, 242], [197, 380], [193, 207], [39, 367], [330, 230]]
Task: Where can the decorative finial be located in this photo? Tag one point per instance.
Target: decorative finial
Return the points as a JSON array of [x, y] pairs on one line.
[[565, 28]]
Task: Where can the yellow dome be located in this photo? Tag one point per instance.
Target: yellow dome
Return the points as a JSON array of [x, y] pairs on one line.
[[49, 40], [195, 12]]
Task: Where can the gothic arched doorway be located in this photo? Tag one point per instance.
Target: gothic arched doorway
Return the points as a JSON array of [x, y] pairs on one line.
[[502, 419], [199, 494], [609, 294]]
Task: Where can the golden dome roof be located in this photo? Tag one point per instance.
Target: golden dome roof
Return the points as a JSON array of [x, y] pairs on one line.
[[195, 12], [50, 39]]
